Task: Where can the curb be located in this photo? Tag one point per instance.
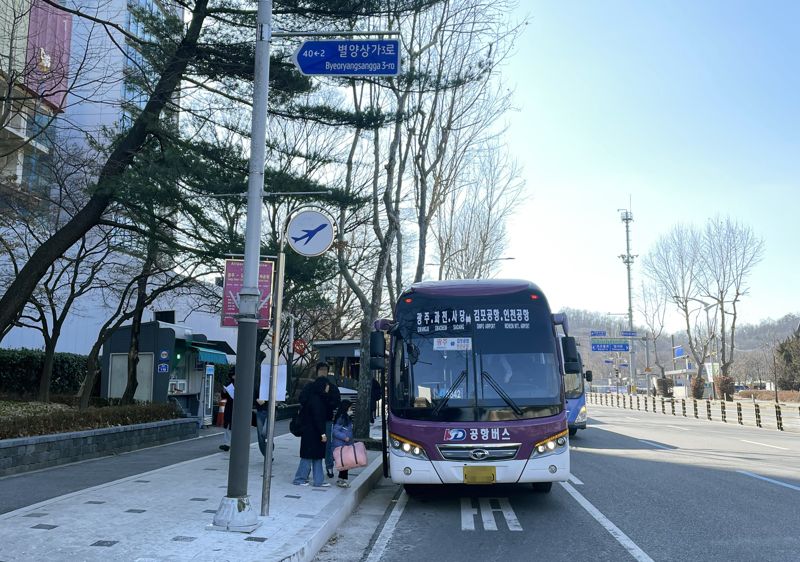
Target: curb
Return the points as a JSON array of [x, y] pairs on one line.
[[314, 539]]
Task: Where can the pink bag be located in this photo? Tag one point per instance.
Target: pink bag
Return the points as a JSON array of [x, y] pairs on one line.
[[350, 456]]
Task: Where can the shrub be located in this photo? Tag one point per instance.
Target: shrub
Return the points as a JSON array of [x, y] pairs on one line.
[[664, 386], [726, 387], [24, 419], [20, 370], [698, 387], [783, 395]]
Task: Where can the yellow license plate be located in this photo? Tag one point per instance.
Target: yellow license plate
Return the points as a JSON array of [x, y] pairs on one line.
[[479, 475]]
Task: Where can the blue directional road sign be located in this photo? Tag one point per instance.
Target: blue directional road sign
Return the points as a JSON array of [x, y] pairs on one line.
[[610, 344], [627, 334], [598, 333], [358, 58]]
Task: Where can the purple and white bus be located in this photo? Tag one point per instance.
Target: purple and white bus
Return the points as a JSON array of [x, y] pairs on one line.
[[474, 383]]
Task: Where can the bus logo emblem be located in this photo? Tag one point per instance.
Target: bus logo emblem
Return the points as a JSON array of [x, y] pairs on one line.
[[479, 454], [455, 434]]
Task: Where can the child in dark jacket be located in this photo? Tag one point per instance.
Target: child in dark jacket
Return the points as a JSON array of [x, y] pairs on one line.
[[343, 435]]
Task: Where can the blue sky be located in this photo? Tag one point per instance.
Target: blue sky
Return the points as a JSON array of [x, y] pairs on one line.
[[688, 108]]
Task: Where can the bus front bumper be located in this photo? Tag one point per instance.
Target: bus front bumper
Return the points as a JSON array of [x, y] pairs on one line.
[[549, 468]]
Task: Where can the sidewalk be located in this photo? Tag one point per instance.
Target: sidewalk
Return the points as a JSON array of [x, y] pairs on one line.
[[164, 514]]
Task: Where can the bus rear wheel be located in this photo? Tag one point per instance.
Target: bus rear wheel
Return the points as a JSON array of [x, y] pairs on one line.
[[542, 487], [573, 431]]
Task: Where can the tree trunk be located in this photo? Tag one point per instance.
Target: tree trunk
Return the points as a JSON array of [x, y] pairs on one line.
[[133, 350], [361, 424], [92, 369], [20, 290], [47, 368], [138, 311]]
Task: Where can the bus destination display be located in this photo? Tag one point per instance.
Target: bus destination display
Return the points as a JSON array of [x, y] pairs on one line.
[[441, 320]]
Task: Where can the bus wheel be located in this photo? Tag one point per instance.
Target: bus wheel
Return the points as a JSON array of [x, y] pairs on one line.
[[573, 431], [542, 487]]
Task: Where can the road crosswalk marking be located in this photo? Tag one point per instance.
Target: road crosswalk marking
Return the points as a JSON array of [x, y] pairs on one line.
[[487, 511]]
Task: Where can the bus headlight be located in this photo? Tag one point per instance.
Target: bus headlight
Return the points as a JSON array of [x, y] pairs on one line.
[[405, 448], [552, 445], [581, 415]]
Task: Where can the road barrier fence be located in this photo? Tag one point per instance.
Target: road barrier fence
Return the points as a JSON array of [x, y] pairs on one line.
[[768, 415]]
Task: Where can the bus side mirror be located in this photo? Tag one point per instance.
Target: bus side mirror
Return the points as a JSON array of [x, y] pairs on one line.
[[377, 350], [572, 361], [588, 376]]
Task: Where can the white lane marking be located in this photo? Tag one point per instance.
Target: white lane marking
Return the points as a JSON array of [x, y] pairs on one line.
[[379, 547], [763, 444], [614, 531], [487, 515], [511, 517], [468, 514], [659, 445], [676, 427], [770, 480], [487, 512], [575, 480]]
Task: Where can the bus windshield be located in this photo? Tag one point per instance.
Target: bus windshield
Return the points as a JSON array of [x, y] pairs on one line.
[[468, 372]]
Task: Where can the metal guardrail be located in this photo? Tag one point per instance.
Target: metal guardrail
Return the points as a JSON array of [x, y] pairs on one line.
[[768, 415]]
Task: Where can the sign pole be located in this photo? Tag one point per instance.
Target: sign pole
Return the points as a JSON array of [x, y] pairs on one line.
[[235, 512], [273, 379]]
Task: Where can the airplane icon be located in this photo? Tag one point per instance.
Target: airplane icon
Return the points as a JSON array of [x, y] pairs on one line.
[[309, 234]]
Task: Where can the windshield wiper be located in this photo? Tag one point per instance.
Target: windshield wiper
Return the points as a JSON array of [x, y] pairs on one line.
[[502, 393], [450, 391]]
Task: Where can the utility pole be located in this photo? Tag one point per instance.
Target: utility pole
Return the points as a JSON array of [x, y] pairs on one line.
[[627, 259], [235, 512]]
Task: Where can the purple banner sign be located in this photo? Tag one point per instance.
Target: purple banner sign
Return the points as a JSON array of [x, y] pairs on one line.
[[234, 280]]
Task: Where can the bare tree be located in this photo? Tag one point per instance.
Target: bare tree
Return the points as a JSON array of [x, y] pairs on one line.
[[470, 229], [67, 280], [653, 308], [729, 252], [673, 265]]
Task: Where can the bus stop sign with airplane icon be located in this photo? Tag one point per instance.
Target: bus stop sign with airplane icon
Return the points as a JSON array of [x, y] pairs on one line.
[[310, 233]]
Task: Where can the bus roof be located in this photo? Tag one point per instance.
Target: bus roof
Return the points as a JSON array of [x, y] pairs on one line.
[[471, 287]]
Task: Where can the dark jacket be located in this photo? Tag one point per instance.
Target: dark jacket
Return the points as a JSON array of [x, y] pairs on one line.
[[227, 417], [375, 391], [333, 398], [314, 414]]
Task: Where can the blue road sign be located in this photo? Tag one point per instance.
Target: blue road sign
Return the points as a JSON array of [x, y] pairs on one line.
[[363, 57], [163, 367], [628, 334], [598, 333], [611, 347], [610, 344]]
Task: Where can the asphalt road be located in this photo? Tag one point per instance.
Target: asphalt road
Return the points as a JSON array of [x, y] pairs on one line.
[[645, 487], [20, 490]]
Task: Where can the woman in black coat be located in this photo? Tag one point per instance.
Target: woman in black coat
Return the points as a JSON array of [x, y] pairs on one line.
[[314, 414]]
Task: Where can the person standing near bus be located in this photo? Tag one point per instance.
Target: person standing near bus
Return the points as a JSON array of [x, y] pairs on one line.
[[334, 397], [375, 396], [314, 414]]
